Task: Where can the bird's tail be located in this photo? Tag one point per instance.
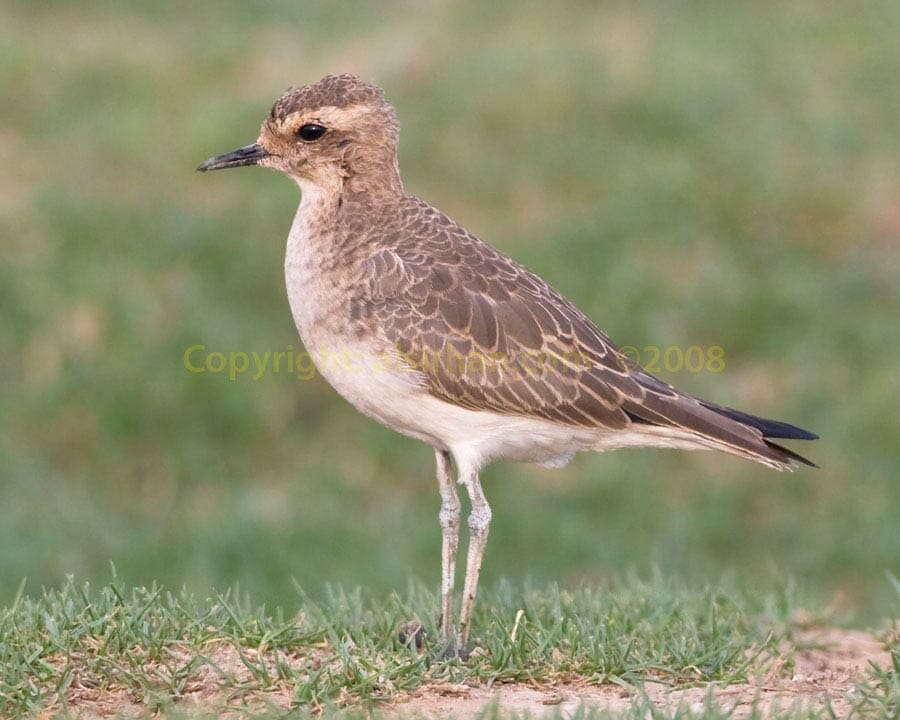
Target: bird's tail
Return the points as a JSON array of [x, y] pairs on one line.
[[707, 425], [769, 429]]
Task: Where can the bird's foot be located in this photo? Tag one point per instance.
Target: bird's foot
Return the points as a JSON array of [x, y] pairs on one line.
[[454, 650], [412, 634]]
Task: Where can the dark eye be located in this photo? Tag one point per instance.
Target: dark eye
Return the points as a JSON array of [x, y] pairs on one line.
[[310, 132]]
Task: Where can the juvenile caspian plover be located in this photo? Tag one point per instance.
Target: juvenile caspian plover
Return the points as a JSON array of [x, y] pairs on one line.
[[432, 332]]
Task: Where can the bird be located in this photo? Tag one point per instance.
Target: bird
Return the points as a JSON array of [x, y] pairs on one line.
[[434, 333]]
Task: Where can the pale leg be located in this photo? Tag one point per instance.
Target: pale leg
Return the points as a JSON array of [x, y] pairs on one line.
[[449, 517], [479, 523]]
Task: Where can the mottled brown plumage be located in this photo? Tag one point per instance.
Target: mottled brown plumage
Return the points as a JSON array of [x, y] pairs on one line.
[[490, 335], [436, 334]]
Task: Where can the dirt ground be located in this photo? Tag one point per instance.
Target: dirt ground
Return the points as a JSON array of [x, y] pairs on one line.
[[825, 673]]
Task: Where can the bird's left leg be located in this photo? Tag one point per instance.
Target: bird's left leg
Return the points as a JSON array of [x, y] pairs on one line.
[[449, 517], [479, 524]]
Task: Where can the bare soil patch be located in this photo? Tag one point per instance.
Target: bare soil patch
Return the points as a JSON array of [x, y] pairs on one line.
[[825, 672]]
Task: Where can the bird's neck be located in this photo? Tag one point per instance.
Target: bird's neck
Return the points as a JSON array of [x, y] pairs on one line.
[[373, 181], [325, 226]]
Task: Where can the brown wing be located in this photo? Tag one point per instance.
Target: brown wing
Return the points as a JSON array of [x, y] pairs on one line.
[[490, 335]]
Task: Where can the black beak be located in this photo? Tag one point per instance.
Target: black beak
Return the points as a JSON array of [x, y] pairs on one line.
[[247, 155]]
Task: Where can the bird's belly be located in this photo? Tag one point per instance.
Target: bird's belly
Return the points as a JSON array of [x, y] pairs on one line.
[[377, 384], [378, 387], [372, 381]]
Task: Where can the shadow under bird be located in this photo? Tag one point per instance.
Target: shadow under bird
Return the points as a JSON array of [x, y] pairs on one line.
[[434, 333]]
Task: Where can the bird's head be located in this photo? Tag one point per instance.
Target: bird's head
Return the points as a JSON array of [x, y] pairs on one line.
[[337, 134]]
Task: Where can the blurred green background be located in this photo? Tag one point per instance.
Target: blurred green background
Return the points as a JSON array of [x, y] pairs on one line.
[[697, 173]]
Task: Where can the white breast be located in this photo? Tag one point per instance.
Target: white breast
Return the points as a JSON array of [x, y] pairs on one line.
[[363, 372], [305, 289]]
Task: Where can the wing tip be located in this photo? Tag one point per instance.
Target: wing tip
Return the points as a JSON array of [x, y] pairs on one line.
[[769, 428], [773, 429]]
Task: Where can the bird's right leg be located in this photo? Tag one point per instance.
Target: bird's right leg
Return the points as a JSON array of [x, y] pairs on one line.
[[479, 524], [449, 517]]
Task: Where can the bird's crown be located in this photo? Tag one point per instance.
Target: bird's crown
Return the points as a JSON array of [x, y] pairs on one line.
[[339, 91]]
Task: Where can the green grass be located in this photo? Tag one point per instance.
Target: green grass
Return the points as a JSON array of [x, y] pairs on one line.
[[154, 644], [153, 651], [711, 175], [689, 174]]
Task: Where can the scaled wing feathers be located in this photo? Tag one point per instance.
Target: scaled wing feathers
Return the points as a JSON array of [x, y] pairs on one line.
[[489, 335]]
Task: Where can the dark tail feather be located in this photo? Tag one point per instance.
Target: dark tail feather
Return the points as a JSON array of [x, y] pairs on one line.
[[768, 428], [791, 454]]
